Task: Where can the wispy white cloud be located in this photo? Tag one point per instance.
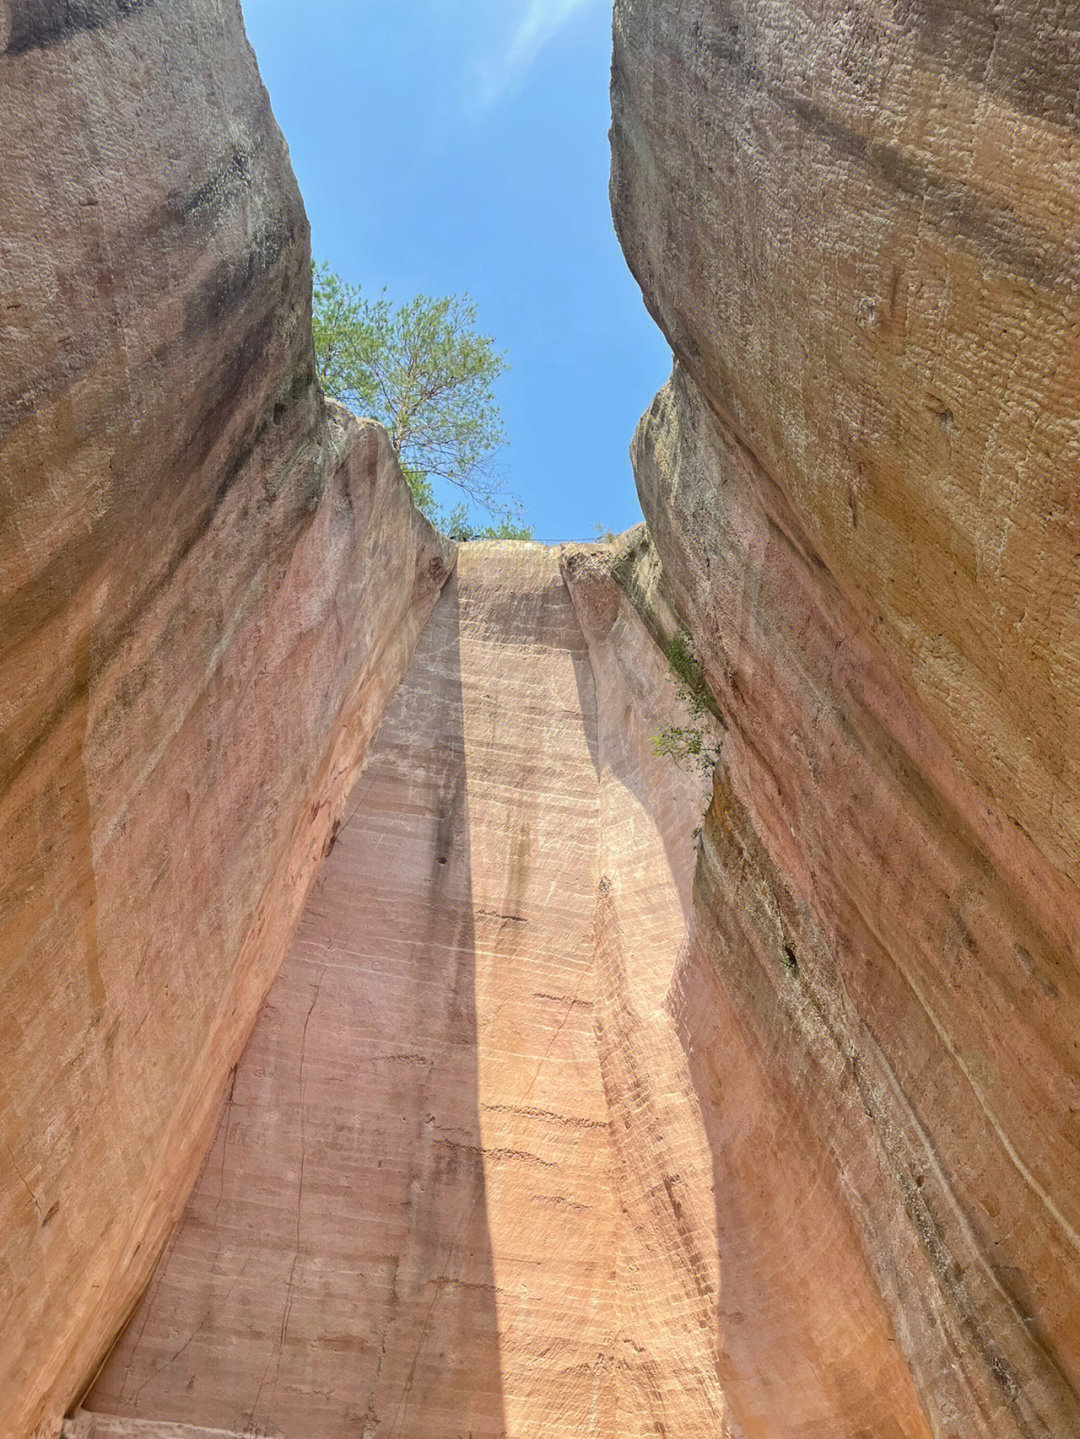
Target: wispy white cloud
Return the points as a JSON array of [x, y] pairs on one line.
[[538, 22], [541, 22]]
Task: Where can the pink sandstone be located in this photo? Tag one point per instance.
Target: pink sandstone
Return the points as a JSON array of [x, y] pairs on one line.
[[858, 228], [551, 1124], [208, 588], [460, 1184]]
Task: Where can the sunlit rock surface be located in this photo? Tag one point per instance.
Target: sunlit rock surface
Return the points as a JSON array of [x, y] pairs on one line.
[[858, 227], [461, 1184], [208, 589]]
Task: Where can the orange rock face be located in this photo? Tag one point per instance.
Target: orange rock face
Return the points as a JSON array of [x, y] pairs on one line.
[[859, 232], [461, 1183], [208, 588], [554, 1122]]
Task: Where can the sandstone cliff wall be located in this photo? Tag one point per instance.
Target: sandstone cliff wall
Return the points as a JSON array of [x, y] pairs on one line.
[[858, 228], [208, 588], [551, 1123], [461, 1185]]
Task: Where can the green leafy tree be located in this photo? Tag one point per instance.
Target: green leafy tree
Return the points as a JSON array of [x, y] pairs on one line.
[[458, 526], [426, 374]]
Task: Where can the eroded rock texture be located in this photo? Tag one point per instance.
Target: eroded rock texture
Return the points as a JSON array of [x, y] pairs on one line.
[[461, 1185], [208, 588], [543, 1129], [858, 227]]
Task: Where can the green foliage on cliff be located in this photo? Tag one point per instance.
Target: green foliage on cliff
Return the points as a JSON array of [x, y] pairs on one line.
[[688, 672], [425, 373], [456, 525], [692, 745]]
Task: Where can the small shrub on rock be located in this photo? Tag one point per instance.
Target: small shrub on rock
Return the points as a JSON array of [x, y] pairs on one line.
[[692, 746]]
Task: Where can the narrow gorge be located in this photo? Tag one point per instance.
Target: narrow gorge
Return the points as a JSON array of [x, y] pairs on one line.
[[395, 1045], [420, 1213]]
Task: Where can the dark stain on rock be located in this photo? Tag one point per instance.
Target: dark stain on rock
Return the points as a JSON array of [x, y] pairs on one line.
[[30, 609], [38, 24], [215, 192], [230, 284], [1002, 239], [1014, 52]]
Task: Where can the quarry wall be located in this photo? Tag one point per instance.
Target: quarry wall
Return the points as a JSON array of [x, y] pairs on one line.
[[209, 585], [558, 1118]]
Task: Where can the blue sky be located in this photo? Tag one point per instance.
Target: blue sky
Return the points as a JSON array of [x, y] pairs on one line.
[[449, 146]]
